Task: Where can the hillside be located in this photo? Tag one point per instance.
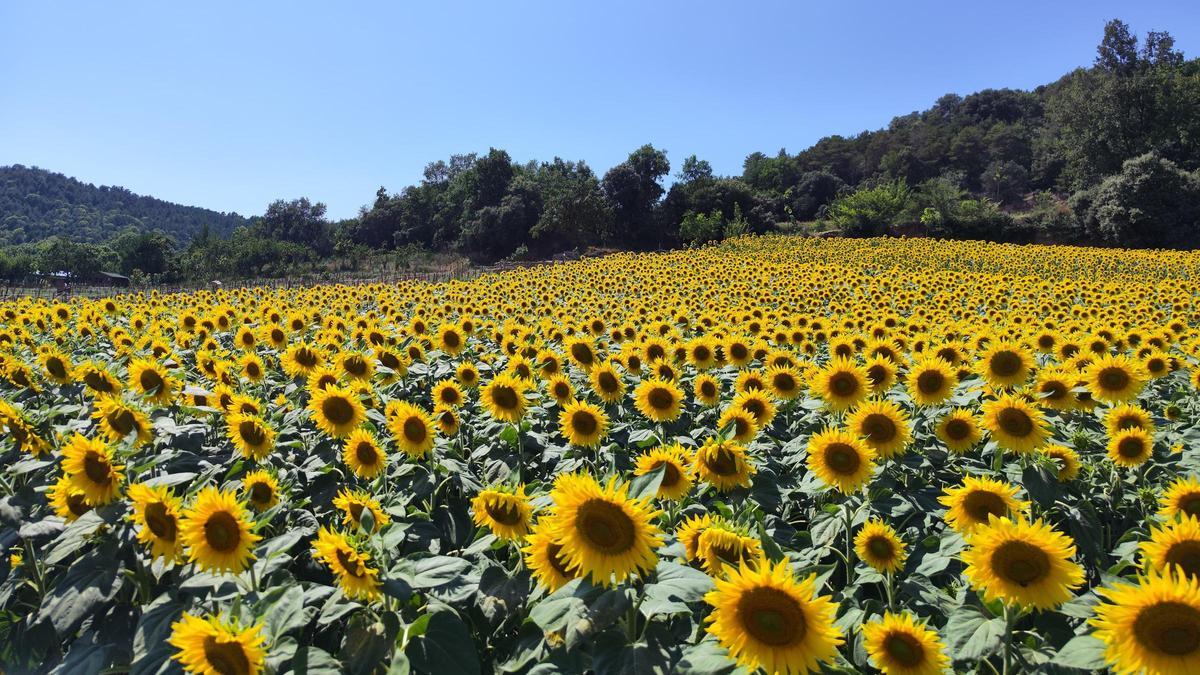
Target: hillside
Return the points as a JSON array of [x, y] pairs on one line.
[[36, 204]]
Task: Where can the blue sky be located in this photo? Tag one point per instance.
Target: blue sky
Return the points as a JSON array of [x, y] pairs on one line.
[[230, 105]]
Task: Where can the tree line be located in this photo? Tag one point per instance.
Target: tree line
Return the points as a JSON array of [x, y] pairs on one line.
[[1107, 154]]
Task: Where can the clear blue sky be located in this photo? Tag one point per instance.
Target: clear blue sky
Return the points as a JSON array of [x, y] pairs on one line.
[[230, 105]]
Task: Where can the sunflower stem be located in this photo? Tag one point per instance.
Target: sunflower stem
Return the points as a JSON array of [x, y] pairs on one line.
[[1008, 625], [849, 542]]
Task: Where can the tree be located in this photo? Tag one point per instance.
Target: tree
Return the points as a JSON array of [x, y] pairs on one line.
[[633, 189], [870, 211], [1151, 202], [298, 221], [1159, 50], [1118, 51], [814, 190], [574, 212], [1004, 181], [695, 169]]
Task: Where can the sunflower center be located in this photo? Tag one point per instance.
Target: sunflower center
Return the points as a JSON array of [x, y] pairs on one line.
[[584, 422], [1054, 390], [660, 398], [843, 384], [842, 458], [77, 504], [904, 649], [1185, 554], [561, 390], [957, 429], [1130, 447], [226, 657], [880, 548], [552, 552], [1015, 422], [451, 339], [606, 526], [260, 493], [722, 462], [1113, 379], [505, 397], [1021, 562], [1171, 628], [738, 351], [1006, 364], [221, 532], [150, 380], [97, 469], [160, 521], [981, 503], [503, 512], [785, 382], [56, 367], [414, 430], [608, 382], [97, 382], [772, 617], [337, 410], [252, 433], [350, 563], [582, 354], [671, 474], [366, 454], [306, 357], [930, 382], [708, 389], [879, 428], [1190, 504], [449, 395]]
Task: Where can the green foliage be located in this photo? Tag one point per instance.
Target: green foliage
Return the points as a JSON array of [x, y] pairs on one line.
[[1152, 202], [870, 211]]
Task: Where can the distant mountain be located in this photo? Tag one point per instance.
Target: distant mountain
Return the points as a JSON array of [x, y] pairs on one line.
[[36, 204]]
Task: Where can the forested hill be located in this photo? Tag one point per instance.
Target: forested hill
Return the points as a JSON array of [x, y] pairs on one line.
[[36, 204]]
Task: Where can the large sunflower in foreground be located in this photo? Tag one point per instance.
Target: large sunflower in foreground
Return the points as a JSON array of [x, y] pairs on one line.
[[883, 425], [504, 397], [840, 459], [677, 469], [216, 531], [1151, 626], [89, 464], [363, 454], [658, 400], [1181, 498], [1130, 447], [351, 566], [156, 513], [841, 383], [959, 430], [251, 435], [583, 424], [411, 428], [337, 411], [1015, 424], [878, 545], [766, 619], [1174, 544], [604, 534], [506, 512], [931, 381], [120, 420], [212, 647], [1115, 378], [971, 504], [723, 464], [1022, 563], [898, 644], [544, 556]]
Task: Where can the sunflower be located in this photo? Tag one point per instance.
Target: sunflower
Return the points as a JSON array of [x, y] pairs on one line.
[[740, 424], [677, 469], [67, 500], [1174, 544], [351, 566], [900, 645], [1115, 378], [363, 454], [723, 464], [447, 394], [1053, 389], [881, 373], [356, 365], [1151, 626], [959, 430], [544, 557], [261, 490], [1005, 364], [337, 411], [211, 647], [878, 545], [56, 365], [411, 428], [757, 403], [689, 531], [841, 384], [706, 389], [252, 367], [971, 504], [1181, 498], [156, 514], [301, 359], [89, 465], [785, 382], [840, 459], [216, 531], [1130, 448], [931, 381], [658, 400], [156, 385], [1023, 563], [352, 504], [450, 339], [720, 547], [251, 434], [581, 351], [766, 619], [1127, 416], [583, 424], [467, 375], [1067, 461], [604, 534], [702, 353], [883, 425], [504, 397], [446, 420], [607, 382], [1015, 424], [506, 512], [96, 377]]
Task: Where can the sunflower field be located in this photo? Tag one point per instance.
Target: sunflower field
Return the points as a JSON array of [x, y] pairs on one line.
[[777, 455]]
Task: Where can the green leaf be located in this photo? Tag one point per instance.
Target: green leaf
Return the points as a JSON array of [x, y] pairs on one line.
[[286, 613], [446, 647], [438, 571], [972, 635], [88, 586], [705, 658], [1083, 652], [673, 587], [315, 661], [770, 547], [646, 485], [150, 648]]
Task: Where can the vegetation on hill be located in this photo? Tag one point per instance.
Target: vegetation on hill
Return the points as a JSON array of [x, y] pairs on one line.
[[1106, 155]]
